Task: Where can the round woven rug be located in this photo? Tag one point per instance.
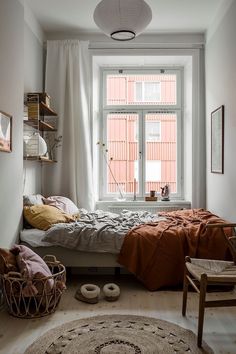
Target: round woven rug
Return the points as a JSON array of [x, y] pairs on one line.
[[117, 334]]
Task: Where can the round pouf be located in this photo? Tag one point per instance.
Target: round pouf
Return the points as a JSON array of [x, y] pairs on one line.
[[88, 293], [111, 292]]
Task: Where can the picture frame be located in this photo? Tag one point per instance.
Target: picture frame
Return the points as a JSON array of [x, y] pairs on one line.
[[217, 140], [5, 132]]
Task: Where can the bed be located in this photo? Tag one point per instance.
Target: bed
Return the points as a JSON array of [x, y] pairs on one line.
[[152, 247], [94, 240]]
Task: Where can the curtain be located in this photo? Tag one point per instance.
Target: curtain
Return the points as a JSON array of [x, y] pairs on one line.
[[67, 81]]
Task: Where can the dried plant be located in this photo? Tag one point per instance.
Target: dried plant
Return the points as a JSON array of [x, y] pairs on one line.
[[104, 151], [53, 144]]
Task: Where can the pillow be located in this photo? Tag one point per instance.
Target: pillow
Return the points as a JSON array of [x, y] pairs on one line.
[[62, 203], [7, 261], [32, 268], [34, 199], [44, 216]]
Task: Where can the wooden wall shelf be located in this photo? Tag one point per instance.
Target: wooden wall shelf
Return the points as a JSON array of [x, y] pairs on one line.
[[38, 158], [45, 110], [37, 106], [40, 124]]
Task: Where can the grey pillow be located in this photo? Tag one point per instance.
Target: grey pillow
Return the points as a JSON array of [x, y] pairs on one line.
[[33, 199]]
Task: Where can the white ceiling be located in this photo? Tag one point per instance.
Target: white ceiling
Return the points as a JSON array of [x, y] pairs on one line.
[[76, 16]]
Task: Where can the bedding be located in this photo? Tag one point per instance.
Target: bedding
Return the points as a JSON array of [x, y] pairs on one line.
[[153, 247], [62, 203], [97, 231], [44, 216], [155, 252], [34, 237], [34, 199]]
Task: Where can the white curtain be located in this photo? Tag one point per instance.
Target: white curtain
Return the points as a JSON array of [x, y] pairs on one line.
[[67, 81]]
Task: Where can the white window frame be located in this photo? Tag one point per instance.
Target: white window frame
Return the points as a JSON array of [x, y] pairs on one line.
[[179, 155], [103, 179], [178, 71], [141, 110]]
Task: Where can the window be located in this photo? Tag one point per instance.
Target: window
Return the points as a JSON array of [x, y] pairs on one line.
[[153, 130], [153, 171], [146, 92], [141, 130]]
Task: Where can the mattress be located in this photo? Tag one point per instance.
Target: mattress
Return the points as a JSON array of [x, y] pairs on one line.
[[34, 237]]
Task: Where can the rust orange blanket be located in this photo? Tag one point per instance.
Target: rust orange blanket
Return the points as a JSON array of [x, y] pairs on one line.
[[155, 252]]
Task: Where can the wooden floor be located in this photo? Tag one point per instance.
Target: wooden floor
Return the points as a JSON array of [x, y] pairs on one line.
[[219, 327]]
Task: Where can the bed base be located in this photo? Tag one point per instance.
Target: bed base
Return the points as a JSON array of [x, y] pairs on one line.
[[71, 258]]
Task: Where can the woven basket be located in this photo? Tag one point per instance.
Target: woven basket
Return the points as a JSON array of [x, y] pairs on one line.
[[47, 298]]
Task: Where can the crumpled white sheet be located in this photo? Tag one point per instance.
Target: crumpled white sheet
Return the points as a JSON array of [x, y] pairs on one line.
[[97, 231]]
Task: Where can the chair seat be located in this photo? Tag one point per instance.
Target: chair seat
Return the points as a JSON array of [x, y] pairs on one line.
[[216, 270]]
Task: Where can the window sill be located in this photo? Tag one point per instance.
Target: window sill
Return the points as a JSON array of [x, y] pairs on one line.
[[117, 206]]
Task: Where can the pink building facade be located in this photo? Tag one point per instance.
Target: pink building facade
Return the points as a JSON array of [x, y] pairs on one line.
[[123, 135]]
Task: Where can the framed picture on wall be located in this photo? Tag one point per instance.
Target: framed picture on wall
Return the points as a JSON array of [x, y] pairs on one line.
[[217, 140], [5, 132]]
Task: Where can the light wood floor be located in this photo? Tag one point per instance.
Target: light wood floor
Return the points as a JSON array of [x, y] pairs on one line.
[[219, 327]]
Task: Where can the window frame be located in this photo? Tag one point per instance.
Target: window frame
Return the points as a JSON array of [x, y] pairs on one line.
[[179, 154], [103, 179], [141, 110], [178, 71]]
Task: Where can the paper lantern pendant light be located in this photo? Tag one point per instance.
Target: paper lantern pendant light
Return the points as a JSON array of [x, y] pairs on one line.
[[35, 145], [122, 20]]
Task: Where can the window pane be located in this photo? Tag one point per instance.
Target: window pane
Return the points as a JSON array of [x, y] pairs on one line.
[[153, 171], [139, 93], [161, 151], [122, 143], [124, 89], [153, 130], [152, 92]]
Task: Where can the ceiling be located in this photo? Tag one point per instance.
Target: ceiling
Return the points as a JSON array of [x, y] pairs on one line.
[[76, 16]]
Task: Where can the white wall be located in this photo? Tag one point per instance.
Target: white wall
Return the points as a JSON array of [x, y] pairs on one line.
[[220, 90], [33, 82], [173, 46], [11, 93]]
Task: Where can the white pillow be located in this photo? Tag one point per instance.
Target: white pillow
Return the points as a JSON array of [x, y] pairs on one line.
[[33, 199], [62, 203]]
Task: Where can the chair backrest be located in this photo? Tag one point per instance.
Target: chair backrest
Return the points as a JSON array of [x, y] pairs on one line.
[[231, 240]]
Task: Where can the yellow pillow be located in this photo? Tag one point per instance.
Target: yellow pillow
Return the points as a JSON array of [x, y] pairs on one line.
[[44, 216]]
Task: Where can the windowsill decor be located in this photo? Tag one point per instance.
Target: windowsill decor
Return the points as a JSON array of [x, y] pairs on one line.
[[104, 151]]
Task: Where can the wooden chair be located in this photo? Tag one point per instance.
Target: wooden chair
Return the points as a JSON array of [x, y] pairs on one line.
[[203, 272]]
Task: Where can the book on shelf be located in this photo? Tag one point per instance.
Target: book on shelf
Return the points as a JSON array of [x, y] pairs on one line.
[[39, 97]]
